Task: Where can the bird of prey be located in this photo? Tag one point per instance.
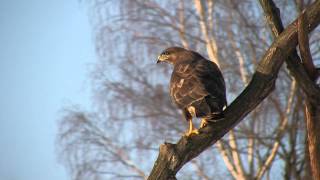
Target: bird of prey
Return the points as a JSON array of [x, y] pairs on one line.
[[197, 86]]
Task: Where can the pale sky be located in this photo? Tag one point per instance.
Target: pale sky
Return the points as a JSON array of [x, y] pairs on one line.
[[45, 49]]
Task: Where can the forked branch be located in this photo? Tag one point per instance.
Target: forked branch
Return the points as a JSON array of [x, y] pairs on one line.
[[305, 73], [172, 157]]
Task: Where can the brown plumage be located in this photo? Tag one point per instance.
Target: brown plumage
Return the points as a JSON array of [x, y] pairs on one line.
[[197, 86]]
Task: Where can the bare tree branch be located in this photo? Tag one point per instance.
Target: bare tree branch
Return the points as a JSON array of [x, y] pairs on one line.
[[313, 125], [279, 135], [304, 48], [305, 77], [226, 159], [182, 19], [200, 171], [236, 156], [293, 61], [312, 109], [210, 41], [173, 156]]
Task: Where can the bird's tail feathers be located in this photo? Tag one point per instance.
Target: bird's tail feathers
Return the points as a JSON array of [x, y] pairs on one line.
[[215, 117]]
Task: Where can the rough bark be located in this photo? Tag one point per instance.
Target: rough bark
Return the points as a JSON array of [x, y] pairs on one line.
[[272, 14], [303, 41], [313, 126], [312, 108], [305, 73], [172, 157]]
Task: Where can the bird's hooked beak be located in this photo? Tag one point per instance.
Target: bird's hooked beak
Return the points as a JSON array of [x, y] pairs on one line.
[[158, 60], [162, 57]]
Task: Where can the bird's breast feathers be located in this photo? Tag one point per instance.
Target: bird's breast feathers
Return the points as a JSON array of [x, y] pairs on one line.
[[180, 84]]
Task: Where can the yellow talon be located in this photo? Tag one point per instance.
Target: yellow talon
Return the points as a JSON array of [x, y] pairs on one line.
[[203, 123], [195, 131]]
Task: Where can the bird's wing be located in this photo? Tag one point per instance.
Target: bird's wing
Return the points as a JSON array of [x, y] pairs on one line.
[[194, 80], [185, 85], [212, 79]]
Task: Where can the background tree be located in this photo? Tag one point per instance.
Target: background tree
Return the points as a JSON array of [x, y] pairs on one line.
[[133, 113]]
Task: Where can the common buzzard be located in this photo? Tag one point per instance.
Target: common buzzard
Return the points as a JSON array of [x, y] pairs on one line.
[[197, 86]]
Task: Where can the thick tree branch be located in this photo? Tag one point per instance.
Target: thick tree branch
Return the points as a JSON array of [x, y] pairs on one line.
[[313, 126], [173, 156], [312, 109], [295, 66], [305, 73], [304, 48]]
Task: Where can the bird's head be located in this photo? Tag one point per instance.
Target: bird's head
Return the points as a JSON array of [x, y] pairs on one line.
[[172, 55]]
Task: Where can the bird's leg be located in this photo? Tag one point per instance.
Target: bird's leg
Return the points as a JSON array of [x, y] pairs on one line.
[[204, 122], [190, 126], [188, 114], [191, 129]]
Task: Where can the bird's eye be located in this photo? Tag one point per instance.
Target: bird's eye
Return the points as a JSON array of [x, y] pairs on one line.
[[165, 53]]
